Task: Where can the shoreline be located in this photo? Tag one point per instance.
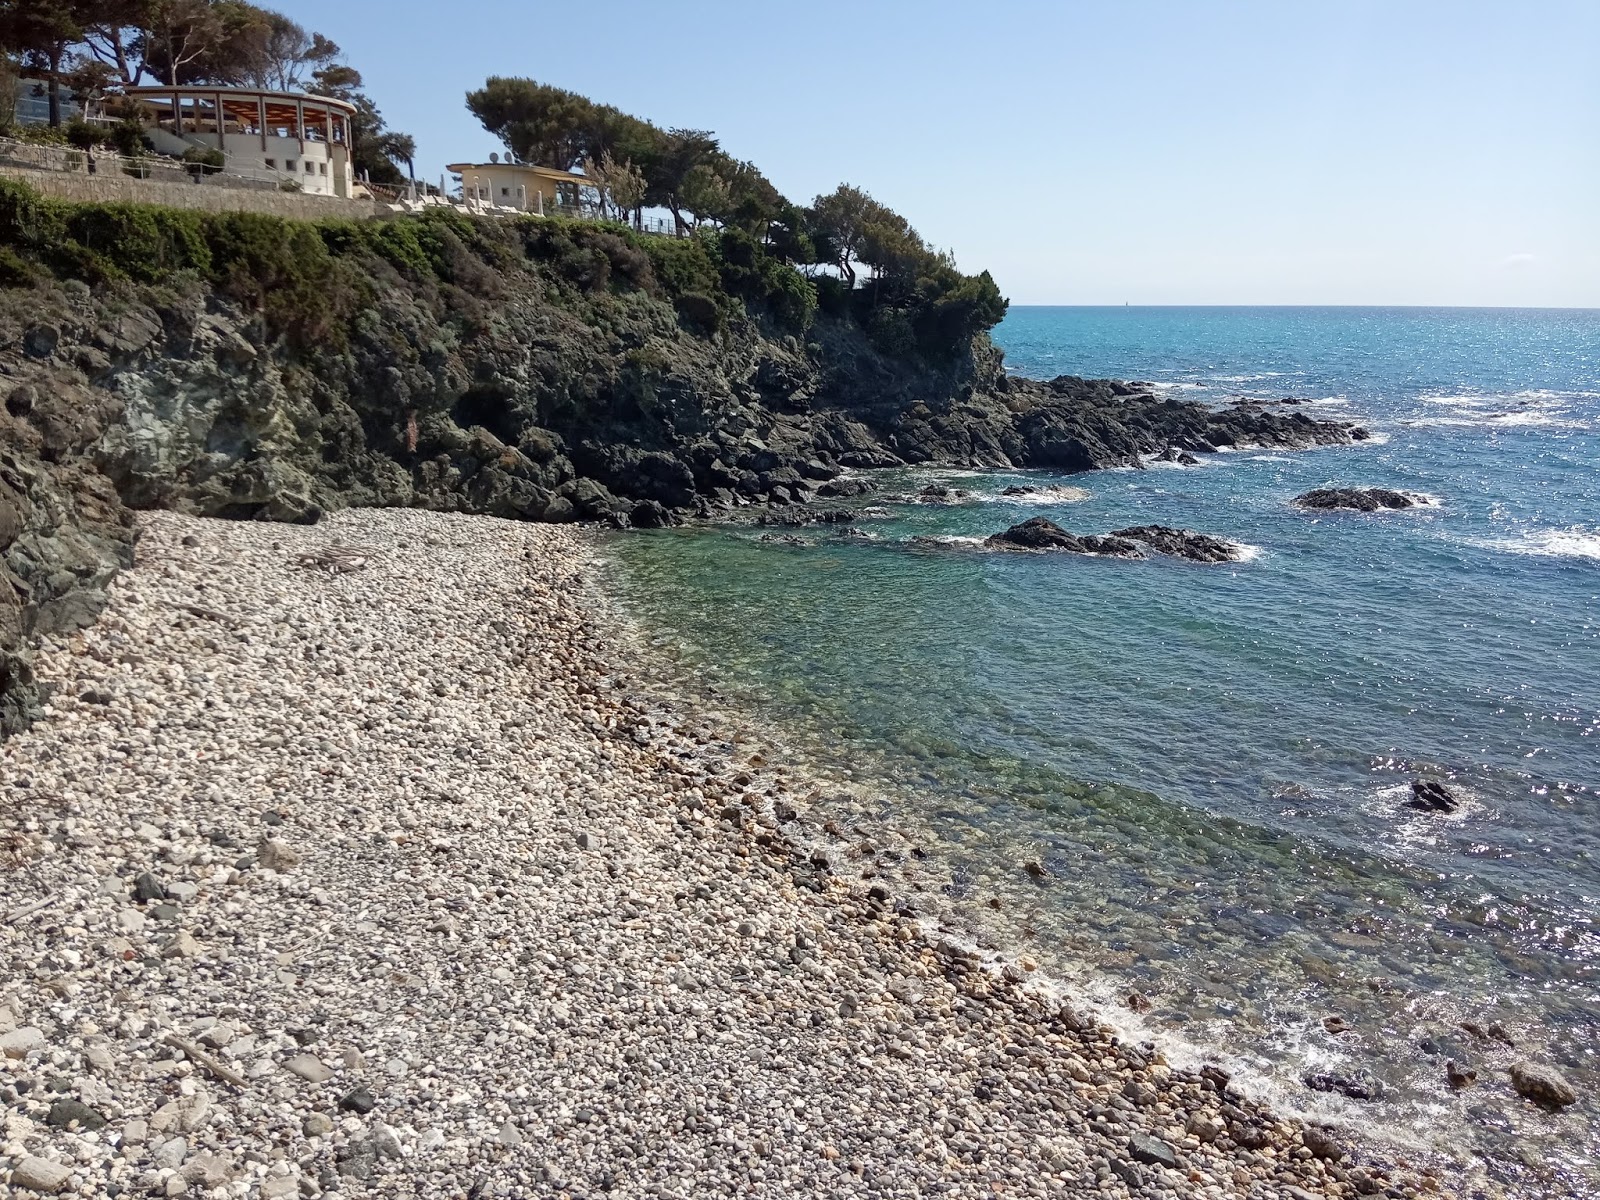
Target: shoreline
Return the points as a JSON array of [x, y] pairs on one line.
[[535, 927]]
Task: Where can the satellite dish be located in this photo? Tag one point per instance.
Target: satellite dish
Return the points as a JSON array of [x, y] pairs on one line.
[[494, 156]]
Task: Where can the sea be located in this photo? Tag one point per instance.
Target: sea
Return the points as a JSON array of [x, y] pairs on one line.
[[1211, 763]]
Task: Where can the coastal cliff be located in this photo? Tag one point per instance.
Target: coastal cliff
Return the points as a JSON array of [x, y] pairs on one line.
[[257, 368]]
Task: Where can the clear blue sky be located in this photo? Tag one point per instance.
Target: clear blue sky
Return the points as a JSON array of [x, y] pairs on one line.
[[1152, 151]]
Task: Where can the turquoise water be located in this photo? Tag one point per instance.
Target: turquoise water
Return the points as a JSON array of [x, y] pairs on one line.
[[1211, 761]]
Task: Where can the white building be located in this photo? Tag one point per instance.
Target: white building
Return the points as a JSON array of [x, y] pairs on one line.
[[521, 186], [279, 136]]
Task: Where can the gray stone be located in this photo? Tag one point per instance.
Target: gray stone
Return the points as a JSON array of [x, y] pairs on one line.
[[309, 1067], [1153, 1151], [40, 1174], [23, 1042], [277, 855], [147, 888]]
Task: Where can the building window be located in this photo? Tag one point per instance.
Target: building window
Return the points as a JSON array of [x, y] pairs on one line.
[[505, 191], [288, 164], [310, 169], [322, 168], [272, 164]]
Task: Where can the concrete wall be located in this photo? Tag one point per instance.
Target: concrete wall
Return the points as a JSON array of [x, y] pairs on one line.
[[208, 197]]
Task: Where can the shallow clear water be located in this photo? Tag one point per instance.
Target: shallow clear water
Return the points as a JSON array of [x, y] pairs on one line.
[[1211, 761]]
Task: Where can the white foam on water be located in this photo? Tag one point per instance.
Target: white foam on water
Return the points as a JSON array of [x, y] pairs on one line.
[[1331, 400], [1051, 494], [1246, 552], [953, 540], [1375, 438], [1277, 458], [1575, 541]]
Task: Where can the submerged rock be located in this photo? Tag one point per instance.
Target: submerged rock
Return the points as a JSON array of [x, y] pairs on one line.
[[1429, 795], [1360, 1086], [1357, 499], [1182, 543], [1039, 533]]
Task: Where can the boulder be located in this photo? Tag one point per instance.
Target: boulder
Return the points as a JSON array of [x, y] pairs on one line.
[[1544, 1085], [40, 1174], [1366, 500]]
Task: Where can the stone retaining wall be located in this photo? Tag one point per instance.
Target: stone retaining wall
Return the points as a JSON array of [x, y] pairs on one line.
[[102, 189]]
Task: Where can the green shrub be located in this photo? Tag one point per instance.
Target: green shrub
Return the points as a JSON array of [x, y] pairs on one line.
[[891, 333], [210, 160], [682, 266], [81, 135], [700, 312], [14, 271], [127, 138]]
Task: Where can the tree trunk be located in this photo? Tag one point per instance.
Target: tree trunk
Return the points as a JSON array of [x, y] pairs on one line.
[[54, 90]]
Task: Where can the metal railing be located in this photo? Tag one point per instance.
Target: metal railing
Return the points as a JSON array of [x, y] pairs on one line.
[[44, 157]]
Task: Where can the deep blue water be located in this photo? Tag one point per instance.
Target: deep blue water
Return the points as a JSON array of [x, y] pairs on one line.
[[1211, 760]]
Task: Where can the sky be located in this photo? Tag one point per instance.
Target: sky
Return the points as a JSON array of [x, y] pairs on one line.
[[1140, 151]]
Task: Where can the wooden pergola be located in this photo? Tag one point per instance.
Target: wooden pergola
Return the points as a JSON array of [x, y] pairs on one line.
[[224, 111]]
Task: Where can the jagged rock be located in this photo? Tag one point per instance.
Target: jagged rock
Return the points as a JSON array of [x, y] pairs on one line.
[[1356, 499], [1040, 533], [1429, 795], [1181, 543]]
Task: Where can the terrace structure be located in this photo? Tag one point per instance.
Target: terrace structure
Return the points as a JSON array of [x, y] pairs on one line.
[[277, 136]]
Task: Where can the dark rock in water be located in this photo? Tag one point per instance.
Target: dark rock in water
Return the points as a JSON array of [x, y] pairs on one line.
[[1181, 543], [846, 487], [1360, 1086], [1429, 795], [651, 514], [1018, 489], [1185, 459], [1459, 1075], [1153, 1151], [783, 539], [932, 494], [1543, 1085], [1038, 533], [1335, 1025], [1356, 499]]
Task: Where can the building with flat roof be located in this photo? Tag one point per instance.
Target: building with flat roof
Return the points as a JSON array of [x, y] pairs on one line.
[[279, 136], [521, 186]]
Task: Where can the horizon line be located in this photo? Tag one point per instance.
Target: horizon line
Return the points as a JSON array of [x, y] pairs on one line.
[[1460, 307]]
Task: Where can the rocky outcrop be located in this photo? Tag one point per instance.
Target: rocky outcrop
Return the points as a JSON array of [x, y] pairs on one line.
[[1366, 500], [1038, 533], [1183, 543]]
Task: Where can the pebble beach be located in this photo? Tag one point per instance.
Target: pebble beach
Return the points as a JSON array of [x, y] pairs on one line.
[[360, 859]]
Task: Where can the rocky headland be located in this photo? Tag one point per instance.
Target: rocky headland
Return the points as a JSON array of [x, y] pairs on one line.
[[501, 382]]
